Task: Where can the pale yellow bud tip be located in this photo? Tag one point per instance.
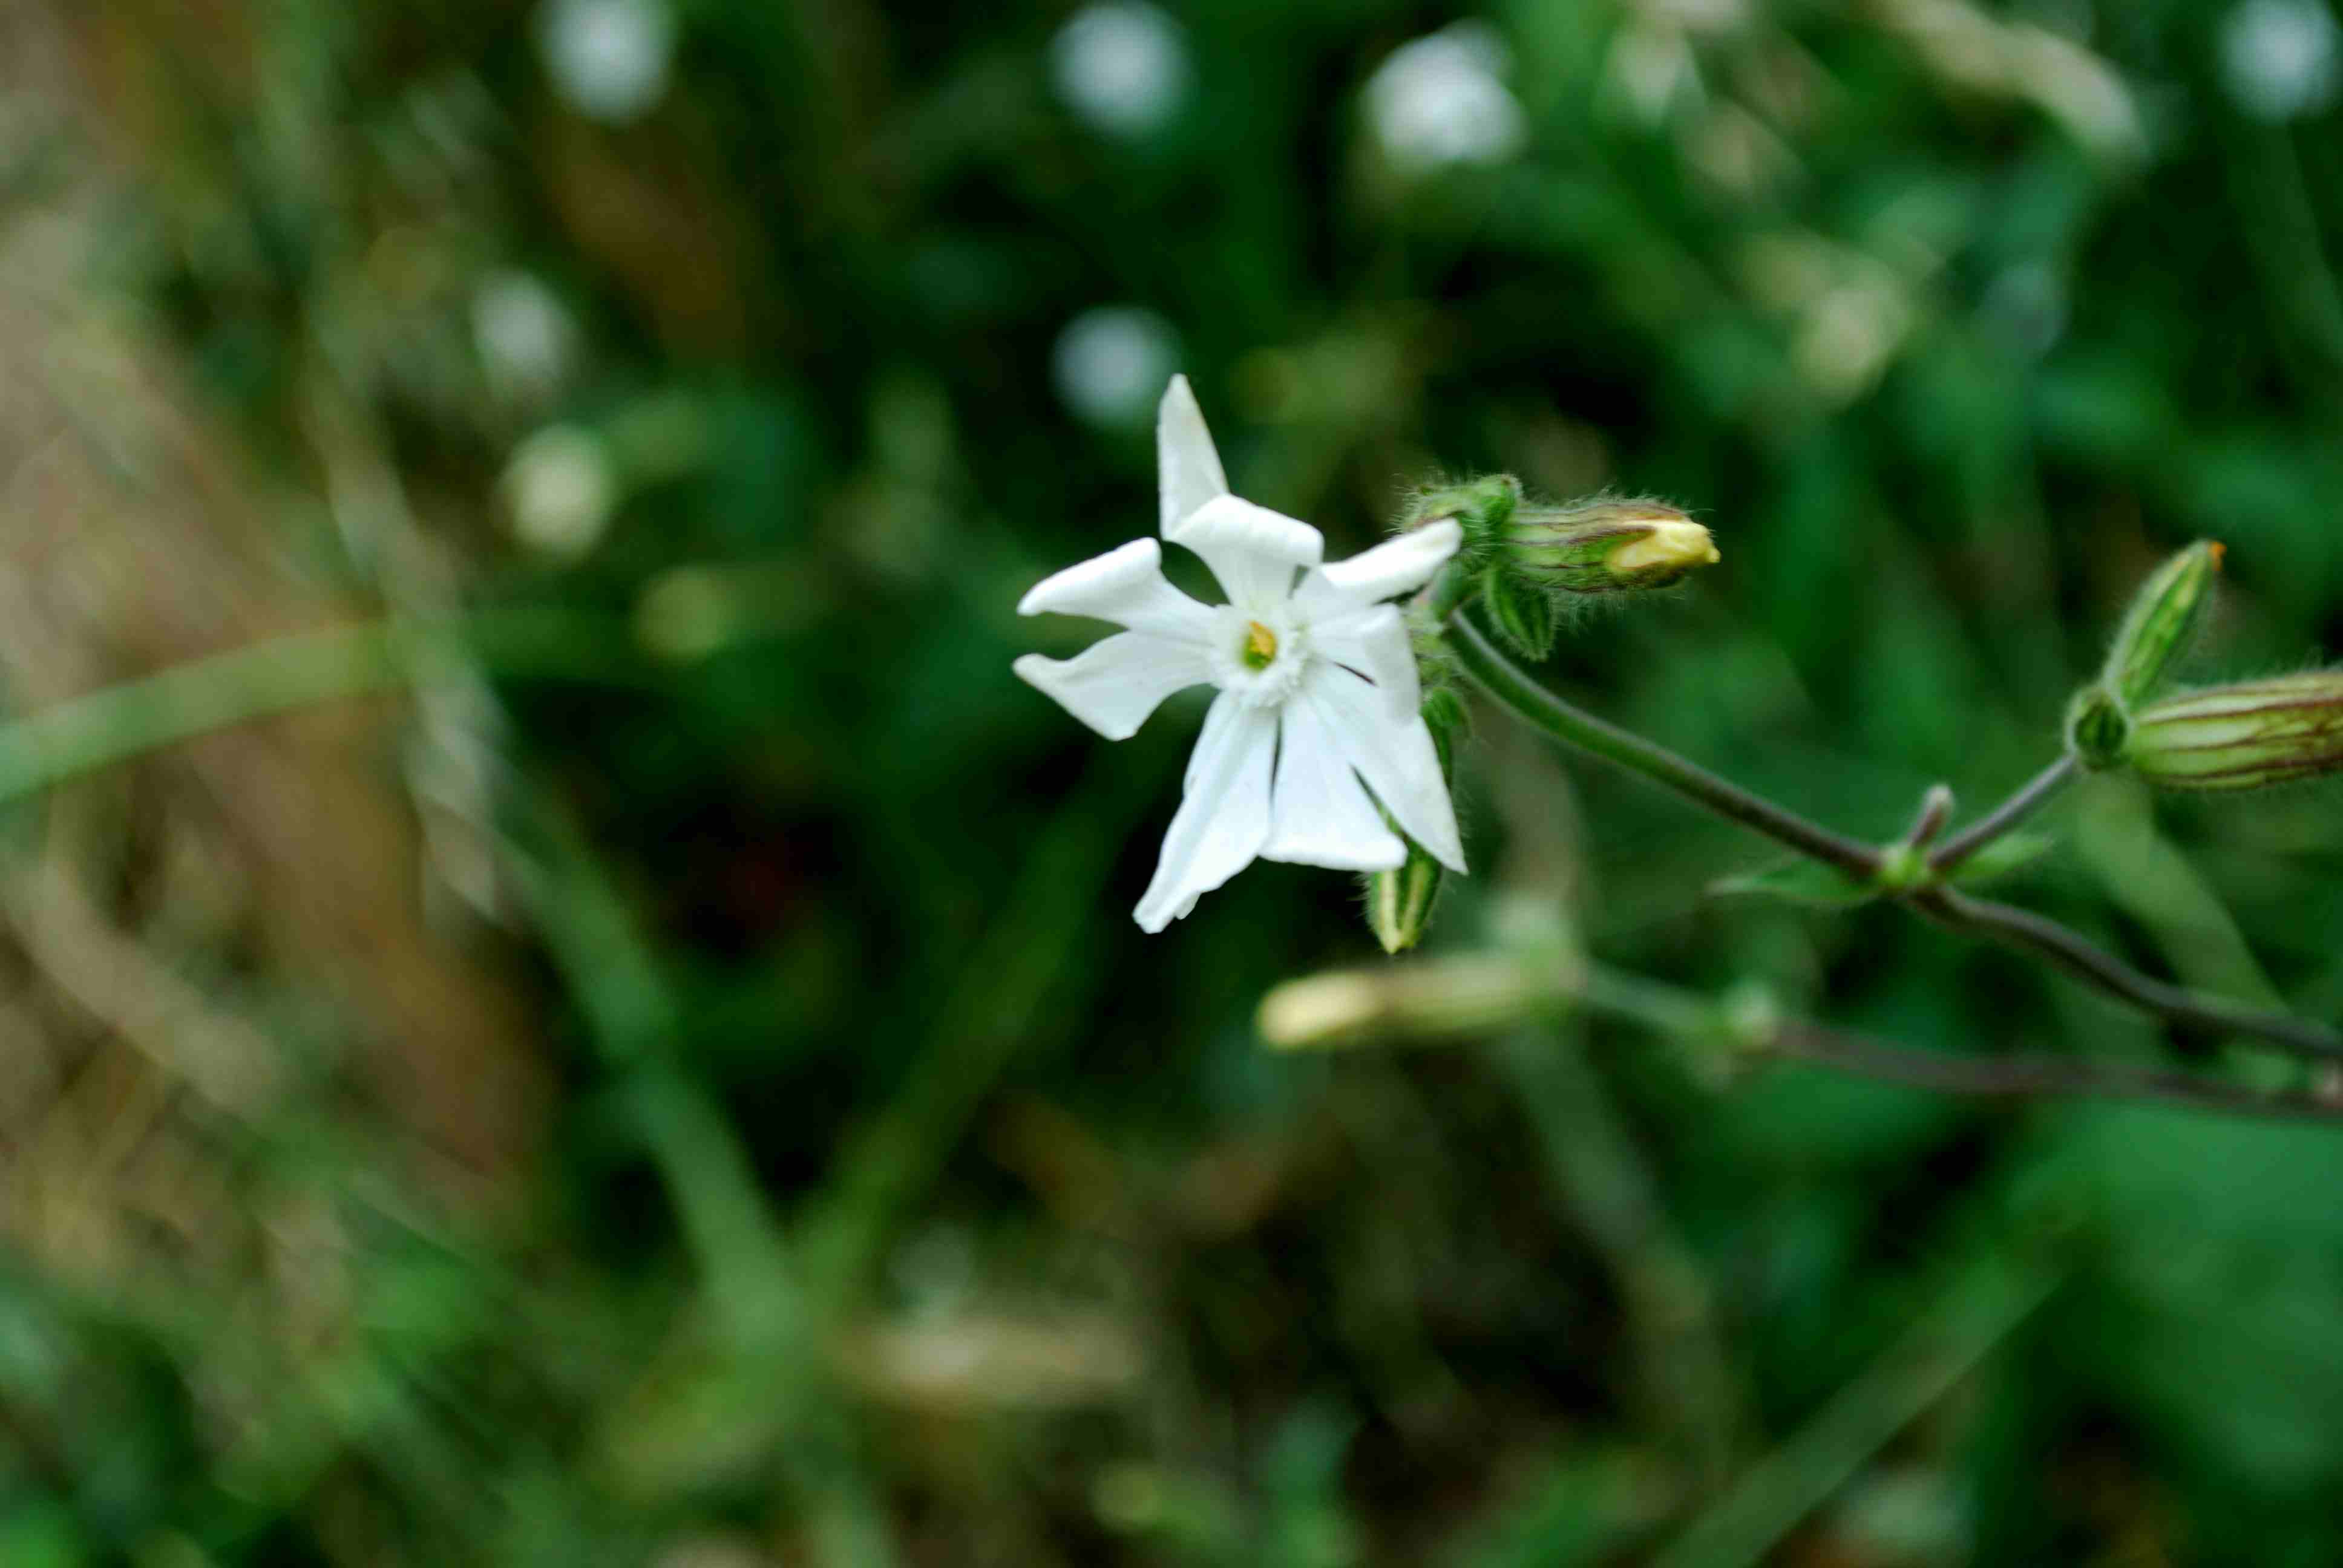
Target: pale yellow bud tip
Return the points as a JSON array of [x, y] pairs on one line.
[[1674, 545]]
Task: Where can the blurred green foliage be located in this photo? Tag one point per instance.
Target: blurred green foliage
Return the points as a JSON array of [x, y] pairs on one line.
[[894, 1198]]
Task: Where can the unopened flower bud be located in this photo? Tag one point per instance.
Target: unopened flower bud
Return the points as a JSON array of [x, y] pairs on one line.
[[1605, 546], [2097, 728], [1522, 613], [1400, 903], [2242, 736], [2162, 622], [1466, 995]]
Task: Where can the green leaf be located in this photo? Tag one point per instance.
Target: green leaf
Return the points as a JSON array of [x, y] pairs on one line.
[[2010, 852], [1806, 882]]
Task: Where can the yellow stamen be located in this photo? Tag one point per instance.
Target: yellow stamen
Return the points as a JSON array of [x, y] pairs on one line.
[[1259, 646]]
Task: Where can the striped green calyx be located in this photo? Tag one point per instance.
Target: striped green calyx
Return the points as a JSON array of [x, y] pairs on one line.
[[1605, 546], [2162, 623], [2242, 737], [1400, 903]]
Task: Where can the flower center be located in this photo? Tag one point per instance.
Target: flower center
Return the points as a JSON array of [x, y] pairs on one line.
[[1258, 652]]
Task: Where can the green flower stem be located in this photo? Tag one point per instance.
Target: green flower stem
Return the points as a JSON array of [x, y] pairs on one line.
[[2002, 818], [2069, 950], [1400, 1003], [1690, 1017], [2020, 1078], [1509, 684]]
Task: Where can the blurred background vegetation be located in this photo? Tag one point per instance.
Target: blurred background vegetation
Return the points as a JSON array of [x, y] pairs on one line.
[[681, 1085]]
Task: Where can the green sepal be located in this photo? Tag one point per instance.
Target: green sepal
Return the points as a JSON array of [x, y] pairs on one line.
[[1523, 616], [2097, 728], [1482, 507], [1400, 903], [2162, 623]]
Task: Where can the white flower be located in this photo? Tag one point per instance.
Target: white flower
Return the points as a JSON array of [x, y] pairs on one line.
[[1317, 680]]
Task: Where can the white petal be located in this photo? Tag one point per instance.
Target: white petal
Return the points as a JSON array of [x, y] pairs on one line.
[[1125, 586], [1374, 643], [1112, 685], [1217, 718], [1223, 821], [1396, 566], [1394, 755], [1319, 814], [1188, 470], [1252, 550]]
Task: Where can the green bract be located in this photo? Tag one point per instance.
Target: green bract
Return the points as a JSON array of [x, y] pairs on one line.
[[1525, 616]]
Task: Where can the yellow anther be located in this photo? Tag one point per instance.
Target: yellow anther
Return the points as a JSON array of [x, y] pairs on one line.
[[1259, 646]]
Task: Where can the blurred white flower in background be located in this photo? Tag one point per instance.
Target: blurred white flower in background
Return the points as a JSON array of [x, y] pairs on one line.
[[1122, 66], [2278, 58], [561, 489], [526, 340], [1440, 100], [608, 58], [1108, 363]]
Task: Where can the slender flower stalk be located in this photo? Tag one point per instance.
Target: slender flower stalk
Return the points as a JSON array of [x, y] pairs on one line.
[[1433, 1001], [2021, 929], [2078, 956], [1955, 851], [1510, 684]]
